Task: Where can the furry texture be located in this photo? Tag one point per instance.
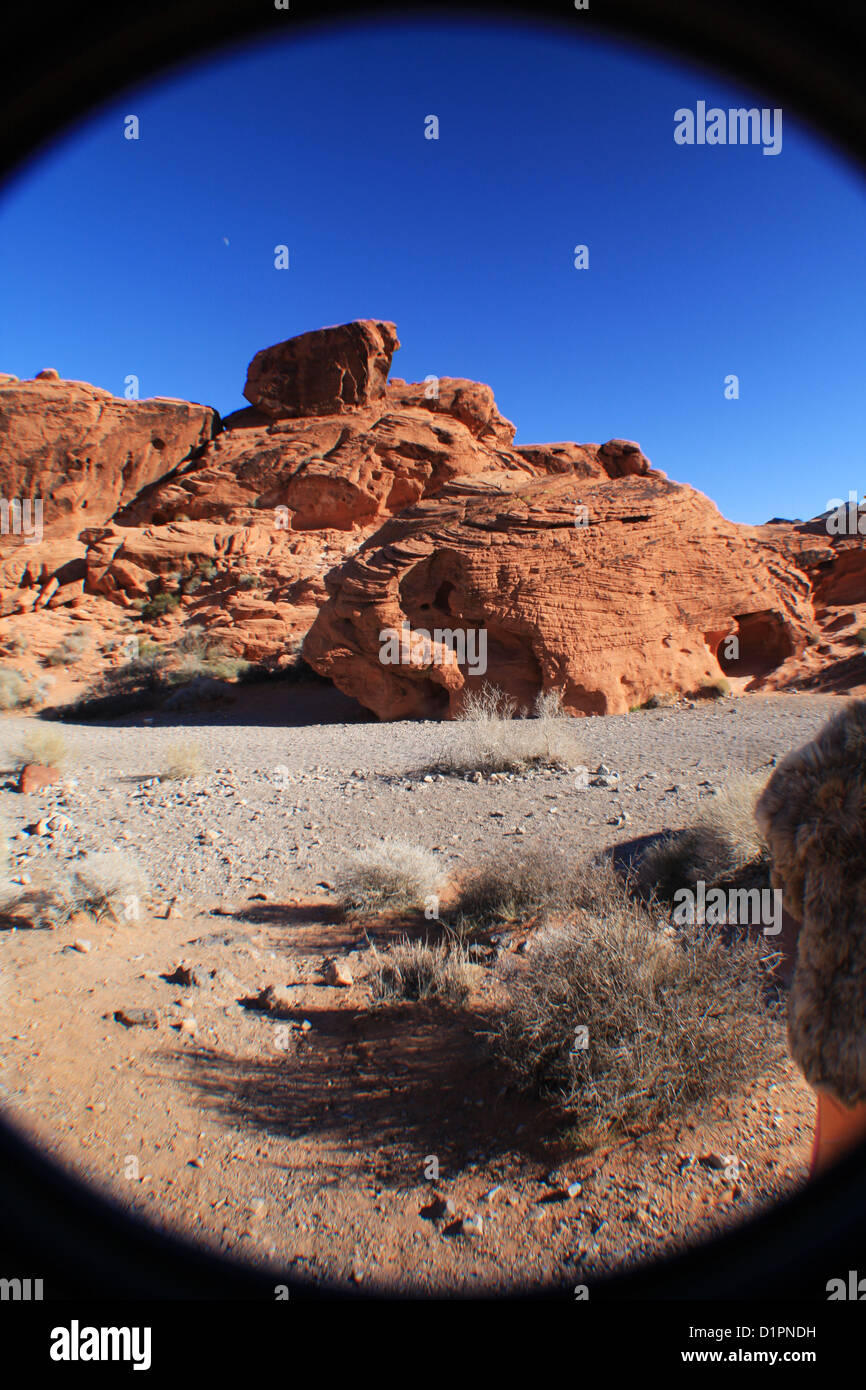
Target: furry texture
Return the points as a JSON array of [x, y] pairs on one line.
[[813, 814]]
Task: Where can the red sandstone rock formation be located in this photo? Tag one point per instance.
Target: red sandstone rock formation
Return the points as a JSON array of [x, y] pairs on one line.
[[372, 503], [85, 452], [324, 372], [635, 602]]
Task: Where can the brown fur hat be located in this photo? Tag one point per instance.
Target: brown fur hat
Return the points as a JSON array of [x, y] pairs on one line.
[[813, 814]]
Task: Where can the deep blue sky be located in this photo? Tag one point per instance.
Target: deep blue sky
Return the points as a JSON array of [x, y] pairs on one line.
[[704, 261]]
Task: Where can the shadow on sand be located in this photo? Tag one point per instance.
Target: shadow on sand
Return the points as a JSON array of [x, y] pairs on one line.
[[272, 703], [388, 1087]]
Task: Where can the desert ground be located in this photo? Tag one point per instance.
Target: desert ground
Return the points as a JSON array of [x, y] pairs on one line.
[[217, 1062]]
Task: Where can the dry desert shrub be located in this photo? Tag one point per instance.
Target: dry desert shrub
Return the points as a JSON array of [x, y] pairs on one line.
[[624, 1026], [541, 877], [493, 736], [69, 650], [13, 689], [105, 884], [414, 970], [664, 699], [43, 907], [44, 744], [8, 891], [723, 843], [198, 655], [183, 759], [714, 690], [14, 644], [49, 906], [389, 875], [109, 884]]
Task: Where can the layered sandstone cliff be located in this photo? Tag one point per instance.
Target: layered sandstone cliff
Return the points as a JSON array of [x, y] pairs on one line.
[[341, 504]]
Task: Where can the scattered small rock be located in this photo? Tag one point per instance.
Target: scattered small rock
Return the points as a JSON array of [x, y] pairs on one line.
[[182, 975], [337, 972], [137, 1018], [34, 776], [440, 1209], [714, 1160]]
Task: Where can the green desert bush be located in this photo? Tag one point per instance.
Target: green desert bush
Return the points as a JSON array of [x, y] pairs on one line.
[[860, 636], [624, 1026], [387, 876], [201, 690], [159, 605], [177, 675], [415, 970], [150, 654], [296, 671], [491, 736], [217, 664], [195, 654]]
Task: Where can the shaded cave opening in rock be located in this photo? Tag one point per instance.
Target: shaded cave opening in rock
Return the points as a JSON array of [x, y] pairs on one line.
[[763, 642]]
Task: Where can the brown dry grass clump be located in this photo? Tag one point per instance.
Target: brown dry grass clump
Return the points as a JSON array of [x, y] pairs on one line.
[[388, 876], [723, 845], [183, 760], [540, 877], [624, 1025], [44, 744], [415, 970], [494, 737]]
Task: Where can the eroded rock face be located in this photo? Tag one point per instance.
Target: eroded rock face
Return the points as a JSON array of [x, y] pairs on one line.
[[635, 601], [323, 372], [342, 471], [84, 452], [339, 505], [470, 402]]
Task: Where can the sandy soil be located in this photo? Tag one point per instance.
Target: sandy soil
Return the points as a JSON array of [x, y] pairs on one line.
[[311, 1140]]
